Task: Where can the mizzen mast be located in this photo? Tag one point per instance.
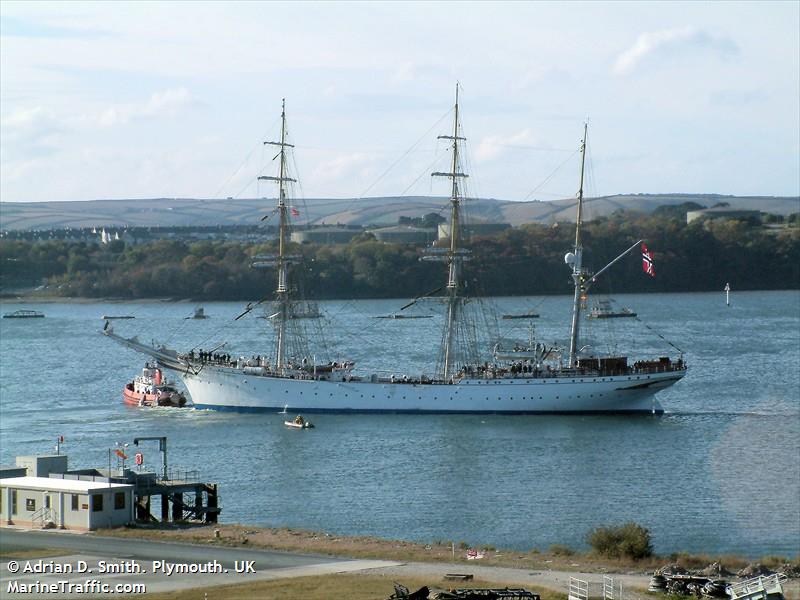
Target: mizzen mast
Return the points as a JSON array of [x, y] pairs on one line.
[[454, 255], [281, 260], [575, 259]]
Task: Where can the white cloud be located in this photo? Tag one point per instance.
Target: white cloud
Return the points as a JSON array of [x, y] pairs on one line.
[[29, 133], [27, 118], [491, 146], [670, 42], [166, 102], [341, 166], [405, 72]]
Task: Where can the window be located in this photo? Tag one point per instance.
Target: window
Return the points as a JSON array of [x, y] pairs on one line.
[[30, 504], [119, 500], [47, 501], [13, 502], [97, 502], [75, 500]]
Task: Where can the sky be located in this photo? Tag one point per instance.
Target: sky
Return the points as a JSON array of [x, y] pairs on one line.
[[175, 99]]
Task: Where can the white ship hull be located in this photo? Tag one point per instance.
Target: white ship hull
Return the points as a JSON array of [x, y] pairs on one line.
[[232, 389]]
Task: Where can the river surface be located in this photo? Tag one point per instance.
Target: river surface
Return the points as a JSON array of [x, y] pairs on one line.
[[719, 473]]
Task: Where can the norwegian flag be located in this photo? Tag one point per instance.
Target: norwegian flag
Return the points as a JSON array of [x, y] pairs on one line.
[[647, 261], [295, 212]]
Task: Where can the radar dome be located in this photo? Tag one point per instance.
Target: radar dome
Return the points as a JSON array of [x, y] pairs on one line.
[[569, 258]]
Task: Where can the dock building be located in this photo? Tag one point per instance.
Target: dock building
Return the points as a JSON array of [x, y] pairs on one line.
[[40, 491], [65, 503]]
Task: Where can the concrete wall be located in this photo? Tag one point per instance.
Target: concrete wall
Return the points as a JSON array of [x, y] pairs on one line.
[[42, 466], [110, 516]]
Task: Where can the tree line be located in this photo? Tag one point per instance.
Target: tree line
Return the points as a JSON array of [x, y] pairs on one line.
[[527, 260]]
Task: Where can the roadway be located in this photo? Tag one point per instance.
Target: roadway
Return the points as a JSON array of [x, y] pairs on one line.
[[161, 566]]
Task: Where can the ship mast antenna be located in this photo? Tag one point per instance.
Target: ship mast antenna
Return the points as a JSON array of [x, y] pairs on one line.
[[282, 260], [575, 259], [454, 255]]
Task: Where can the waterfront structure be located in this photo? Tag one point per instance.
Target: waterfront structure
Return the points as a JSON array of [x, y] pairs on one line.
[[41, 491], [65, 503]]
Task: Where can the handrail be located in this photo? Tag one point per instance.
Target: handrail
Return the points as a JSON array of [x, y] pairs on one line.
[[44, 515], [756, 584]]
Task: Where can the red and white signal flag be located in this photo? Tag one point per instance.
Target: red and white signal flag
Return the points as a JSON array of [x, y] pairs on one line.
[[647, 261]]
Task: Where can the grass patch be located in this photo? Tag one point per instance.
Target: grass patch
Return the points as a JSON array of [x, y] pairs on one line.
[[561, 550]]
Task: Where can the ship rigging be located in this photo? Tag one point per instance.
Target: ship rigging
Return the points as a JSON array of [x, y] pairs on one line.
[[531, 380]]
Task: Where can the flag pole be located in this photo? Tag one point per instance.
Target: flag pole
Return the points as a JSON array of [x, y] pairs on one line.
[[604, 269]]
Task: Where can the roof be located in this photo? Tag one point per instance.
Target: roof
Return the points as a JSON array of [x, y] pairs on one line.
[[57, 484]]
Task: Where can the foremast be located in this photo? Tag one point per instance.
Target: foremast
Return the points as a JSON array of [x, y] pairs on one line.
[[454, 255], [579, 274], [282, 260]]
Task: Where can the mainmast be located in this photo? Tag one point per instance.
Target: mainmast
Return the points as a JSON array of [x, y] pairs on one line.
[[576, 260], [454, 255], [281, 260]]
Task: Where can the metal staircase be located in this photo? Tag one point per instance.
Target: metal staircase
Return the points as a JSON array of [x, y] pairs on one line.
[[45, 517]]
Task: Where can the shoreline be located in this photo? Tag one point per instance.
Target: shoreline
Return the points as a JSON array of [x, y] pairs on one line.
[[557, 557], [11, 298], [326, 566]]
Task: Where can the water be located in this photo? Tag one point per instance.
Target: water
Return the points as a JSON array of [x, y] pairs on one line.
[[719, 473]]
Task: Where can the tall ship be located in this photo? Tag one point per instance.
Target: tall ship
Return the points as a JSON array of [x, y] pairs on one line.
[[529, 380]]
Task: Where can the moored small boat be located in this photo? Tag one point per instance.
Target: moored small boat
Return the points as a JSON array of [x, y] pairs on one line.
[[603, 310], [24, 314], [151, 389], [299, 423], [199, 313]]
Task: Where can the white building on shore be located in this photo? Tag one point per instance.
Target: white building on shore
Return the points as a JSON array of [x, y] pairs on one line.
[[64, 503]]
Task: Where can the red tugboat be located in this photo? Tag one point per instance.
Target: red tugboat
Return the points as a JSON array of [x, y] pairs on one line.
[[151, 389]]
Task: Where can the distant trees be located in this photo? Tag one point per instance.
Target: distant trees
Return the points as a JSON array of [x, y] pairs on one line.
[[526, 260]]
